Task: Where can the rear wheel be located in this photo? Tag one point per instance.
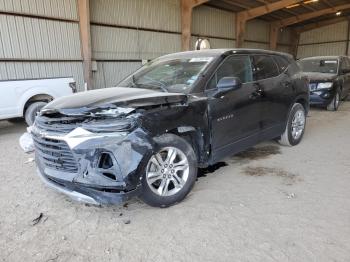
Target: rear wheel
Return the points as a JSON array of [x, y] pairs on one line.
[[295, 126], [32, 110], [170, 172], [334, 104]]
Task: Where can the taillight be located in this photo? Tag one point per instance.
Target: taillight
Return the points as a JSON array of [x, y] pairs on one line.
[[73, 86]]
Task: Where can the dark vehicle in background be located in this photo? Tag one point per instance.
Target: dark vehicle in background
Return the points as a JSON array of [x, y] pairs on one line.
[[148, 136], [329, 78]]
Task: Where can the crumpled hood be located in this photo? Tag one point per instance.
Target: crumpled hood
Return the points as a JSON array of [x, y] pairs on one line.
[[319, 77], [118, 96]]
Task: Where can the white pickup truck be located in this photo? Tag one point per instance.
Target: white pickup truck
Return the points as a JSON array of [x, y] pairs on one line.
[[25, 98]]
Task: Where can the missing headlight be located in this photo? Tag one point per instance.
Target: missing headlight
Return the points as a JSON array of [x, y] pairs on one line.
[[109, 125]]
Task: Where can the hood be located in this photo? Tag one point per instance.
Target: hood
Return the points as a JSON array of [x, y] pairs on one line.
[[319, 77], [116, 96]]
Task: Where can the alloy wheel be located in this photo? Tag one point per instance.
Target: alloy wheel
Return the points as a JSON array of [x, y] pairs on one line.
[[167, 171], [298, 124]]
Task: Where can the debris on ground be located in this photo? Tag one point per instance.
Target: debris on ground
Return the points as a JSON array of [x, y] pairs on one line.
[[30, 160], [127, 221], [37, 220], [126, 205], [292, 195], [121, 214]]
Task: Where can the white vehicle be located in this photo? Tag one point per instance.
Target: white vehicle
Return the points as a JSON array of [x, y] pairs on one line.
[[25, 98]]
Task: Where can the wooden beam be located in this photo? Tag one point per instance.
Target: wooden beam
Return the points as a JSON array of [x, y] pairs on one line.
[[186, 21], [295, 39], [307, 16], [328, 3], [85, 37], [323, 23], [348, 39], [244, 16], [301, 18], [273, 36]]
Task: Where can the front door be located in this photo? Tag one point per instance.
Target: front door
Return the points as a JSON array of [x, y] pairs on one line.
[[235, 116]]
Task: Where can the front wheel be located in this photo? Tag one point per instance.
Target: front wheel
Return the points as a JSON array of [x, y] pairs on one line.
[[170, 172], [334, 104], [295, 126]]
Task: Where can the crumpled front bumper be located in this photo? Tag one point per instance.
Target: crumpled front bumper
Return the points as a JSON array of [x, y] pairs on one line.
[[91, 183], [87, 195]]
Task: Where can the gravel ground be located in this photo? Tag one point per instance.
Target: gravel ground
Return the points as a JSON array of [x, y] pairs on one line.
[[269, 203]]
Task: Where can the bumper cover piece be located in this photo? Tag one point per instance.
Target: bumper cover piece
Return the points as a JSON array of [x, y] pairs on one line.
[[87, 195]]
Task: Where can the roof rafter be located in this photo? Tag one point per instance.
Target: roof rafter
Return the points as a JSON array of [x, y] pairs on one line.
[[243, 16]]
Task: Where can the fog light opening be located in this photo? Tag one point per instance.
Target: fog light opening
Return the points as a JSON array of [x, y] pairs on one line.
[[105, 165], [109, 175], [106, 161]]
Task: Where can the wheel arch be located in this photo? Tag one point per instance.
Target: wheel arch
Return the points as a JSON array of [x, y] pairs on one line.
[[37, 98], [195, 137]]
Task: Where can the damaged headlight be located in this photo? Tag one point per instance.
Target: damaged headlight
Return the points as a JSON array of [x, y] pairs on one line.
[[325, 85], [110, 125]]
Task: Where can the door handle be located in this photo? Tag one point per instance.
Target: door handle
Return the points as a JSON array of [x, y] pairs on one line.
[[256, 94]]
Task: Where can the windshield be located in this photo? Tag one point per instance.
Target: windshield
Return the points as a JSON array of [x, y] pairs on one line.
[[176, 75], [329, 66]]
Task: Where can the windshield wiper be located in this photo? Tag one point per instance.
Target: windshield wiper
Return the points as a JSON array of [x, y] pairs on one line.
[[161, 85]]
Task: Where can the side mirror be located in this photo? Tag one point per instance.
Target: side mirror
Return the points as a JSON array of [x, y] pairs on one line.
[[227, 84]]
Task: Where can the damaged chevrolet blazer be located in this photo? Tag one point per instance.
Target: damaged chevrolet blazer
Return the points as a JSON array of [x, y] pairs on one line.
[[148, 136]]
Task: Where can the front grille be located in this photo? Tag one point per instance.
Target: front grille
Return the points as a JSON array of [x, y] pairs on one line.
[[61, 125], [55, 154]]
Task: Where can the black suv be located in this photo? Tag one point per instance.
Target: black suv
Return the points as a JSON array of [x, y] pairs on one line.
[[148, 136], [329, 79]]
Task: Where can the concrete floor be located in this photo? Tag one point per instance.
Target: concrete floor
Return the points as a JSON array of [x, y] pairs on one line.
[[269, 204]]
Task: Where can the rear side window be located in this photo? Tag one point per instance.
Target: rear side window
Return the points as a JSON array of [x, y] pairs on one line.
[[264, 67], [282, 63]]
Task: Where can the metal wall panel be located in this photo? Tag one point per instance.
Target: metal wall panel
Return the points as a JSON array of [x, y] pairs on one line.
[[208, 21], [153, 44], [334, 32], [114, 43], [154, 14], [322, 49], [110, 43], [283, 48], [257, 30], [284, 36], [32, 38], [28, 70], [255, 45], [66, 9], [111, 73]]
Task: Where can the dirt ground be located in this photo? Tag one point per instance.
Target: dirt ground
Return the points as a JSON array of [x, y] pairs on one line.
[[270, 203]]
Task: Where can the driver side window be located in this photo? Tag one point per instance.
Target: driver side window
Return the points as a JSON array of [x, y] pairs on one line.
[[233, 66]]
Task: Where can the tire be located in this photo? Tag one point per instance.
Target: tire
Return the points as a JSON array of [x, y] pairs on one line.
[[15, 120], [166, 179], [334, 104], [290, 136], [32, 111]]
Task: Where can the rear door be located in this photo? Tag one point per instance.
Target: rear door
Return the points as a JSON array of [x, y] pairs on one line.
[[234, 117], [271, 77]]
